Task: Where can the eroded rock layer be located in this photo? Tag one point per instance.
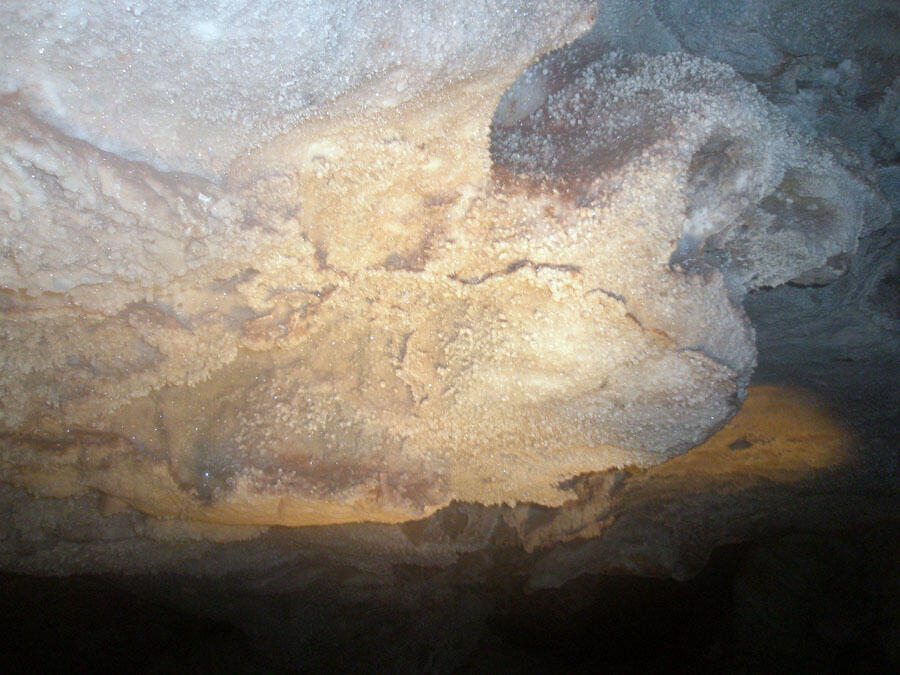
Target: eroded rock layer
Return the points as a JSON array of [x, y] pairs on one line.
[[385, 307]]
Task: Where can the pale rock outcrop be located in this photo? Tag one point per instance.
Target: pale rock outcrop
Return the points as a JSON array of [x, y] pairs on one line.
[[236, 301]]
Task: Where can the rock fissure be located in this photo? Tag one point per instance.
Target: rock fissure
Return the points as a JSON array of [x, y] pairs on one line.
[[514, 267]]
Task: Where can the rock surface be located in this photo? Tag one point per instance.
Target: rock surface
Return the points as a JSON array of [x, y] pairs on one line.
[[631, 519], [385, 308], [269, 263]]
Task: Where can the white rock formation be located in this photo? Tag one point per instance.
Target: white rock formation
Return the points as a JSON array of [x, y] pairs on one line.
[[262, 267]]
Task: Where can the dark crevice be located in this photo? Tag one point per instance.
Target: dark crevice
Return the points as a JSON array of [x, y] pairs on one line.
[[515, 267], [609, 294]]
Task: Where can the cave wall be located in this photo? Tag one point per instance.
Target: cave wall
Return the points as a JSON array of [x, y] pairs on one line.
[[414, 287], [542, 289]]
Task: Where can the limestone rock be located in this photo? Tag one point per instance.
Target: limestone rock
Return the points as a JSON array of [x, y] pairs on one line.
[[375, 306]]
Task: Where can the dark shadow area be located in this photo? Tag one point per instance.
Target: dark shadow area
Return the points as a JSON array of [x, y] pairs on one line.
[[826, 602], [88, 624], [811, 601]]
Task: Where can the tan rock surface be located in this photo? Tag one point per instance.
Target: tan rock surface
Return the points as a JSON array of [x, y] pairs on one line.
[[783, 462], [370, 315]]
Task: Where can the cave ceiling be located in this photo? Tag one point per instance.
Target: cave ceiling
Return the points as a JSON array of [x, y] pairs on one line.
[[430, 273]]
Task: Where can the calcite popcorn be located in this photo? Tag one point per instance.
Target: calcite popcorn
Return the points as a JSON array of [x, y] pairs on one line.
[[360, 284]]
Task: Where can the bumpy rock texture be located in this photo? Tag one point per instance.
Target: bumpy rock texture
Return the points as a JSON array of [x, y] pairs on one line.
[[358, 304], [273, 263]]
